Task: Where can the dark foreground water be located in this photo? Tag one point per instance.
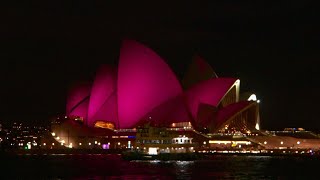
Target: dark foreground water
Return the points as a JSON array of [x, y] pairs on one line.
[[113, 167]]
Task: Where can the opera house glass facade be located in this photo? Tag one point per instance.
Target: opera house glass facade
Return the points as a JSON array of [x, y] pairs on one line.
[[143, 91]]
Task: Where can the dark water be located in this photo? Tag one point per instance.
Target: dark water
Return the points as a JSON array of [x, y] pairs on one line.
[[113, 167]]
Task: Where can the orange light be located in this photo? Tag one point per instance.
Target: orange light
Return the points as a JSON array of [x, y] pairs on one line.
[[103, 124]]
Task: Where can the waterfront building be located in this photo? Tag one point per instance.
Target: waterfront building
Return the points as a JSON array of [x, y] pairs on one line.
[[142, 90]]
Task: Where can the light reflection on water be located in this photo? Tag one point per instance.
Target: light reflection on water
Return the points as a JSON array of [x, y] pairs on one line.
[[183, 169], [100, 166]]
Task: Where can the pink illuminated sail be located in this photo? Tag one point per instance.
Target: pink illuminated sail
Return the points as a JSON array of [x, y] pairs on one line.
[[144, 89], [230, 110], [208, 92], [172, 111], [144, 82], [108, 112], [81, 110], [77, 100], [205, 115], [102, 105]]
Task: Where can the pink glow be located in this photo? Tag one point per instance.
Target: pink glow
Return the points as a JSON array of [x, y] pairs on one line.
[[146, 89], [102, 106], [172, 111], [228, 111], [206, 114], [179, 111], [107, 112], [144, 82], [208, 92], [105, 146], [81, 109], [76, 95]]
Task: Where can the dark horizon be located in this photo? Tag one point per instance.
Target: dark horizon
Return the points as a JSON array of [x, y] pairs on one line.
[[272, 48]]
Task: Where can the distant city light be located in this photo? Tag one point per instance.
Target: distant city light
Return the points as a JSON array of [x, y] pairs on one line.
[[105, 146], [152, 151], [29, 145]]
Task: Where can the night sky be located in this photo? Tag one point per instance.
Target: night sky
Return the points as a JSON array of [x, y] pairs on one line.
[[272, 47]]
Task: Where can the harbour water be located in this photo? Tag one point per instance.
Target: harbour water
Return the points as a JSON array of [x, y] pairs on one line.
[[112, 166]]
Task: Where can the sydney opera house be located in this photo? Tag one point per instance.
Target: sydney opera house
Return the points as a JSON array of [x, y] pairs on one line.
[[115, 109]]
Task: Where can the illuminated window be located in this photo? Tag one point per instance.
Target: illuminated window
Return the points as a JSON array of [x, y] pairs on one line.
[[181, 140], [185, 125], [103, 124], [152, 151]]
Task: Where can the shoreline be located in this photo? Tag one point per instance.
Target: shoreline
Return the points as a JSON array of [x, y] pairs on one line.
[[133, 155]]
